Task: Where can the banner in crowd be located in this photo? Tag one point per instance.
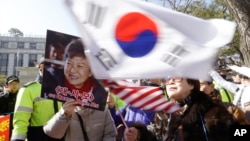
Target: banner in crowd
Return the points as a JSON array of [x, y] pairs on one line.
[[64, 76], [129, 39], [4, 127]]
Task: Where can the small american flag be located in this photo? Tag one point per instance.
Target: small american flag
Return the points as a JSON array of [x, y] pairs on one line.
[[145, 97]]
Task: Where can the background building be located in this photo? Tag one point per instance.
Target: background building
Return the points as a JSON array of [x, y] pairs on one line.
[[19, 56]]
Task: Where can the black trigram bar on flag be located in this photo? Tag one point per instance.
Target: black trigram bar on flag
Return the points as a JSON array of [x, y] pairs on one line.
[[174, 56], [106, 59], [96, 14]]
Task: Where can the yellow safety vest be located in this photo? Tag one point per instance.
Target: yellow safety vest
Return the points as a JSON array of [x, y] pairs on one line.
[[226, 96], [31, 110]]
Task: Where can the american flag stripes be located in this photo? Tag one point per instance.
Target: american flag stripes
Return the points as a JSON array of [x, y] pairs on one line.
[[145, 97]]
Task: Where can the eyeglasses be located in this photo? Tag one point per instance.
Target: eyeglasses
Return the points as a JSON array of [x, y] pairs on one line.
[[174, 79], [244, 77]]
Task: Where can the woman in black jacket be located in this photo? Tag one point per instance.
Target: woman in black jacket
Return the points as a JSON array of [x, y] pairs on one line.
[[200, 119]]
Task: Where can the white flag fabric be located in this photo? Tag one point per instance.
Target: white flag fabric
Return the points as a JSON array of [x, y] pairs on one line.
[[129, 39]]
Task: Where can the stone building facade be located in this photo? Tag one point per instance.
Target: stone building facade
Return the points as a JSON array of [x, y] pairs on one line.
[[19, 56]]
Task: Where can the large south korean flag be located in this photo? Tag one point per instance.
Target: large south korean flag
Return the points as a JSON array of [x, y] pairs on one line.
[[137, 39]]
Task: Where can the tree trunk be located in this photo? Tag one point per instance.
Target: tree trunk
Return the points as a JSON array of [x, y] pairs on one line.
[[241, 12]]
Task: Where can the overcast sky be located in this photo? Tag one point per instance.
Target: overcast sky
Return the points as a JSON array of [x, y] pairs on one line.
[[34, 17]]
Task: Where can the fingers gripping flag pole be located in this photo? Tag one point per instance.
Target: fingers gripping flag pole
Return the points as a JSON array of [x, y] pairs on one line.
[[145, 97]]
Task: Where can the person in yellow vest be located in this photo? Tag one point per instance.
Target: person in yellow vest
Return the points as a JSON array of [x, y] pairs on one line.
[[8, 98], [226, 96], [32, 112]]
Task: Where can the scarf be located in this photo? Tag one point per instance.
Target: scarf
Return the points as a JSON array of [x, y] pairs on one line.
[[88, 85]]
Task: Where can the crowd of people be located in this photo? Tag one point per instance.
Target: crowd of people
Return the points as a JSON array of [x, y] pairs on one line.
[[208, 107]]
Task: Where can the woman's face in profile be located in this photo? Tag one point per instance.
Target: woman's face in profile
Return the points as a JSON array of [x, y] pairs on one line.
[[77, 71]]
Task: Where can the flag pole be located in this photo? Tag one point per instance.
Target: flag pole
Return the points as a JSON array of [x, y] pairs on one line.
[[125, 124], [120, 114]]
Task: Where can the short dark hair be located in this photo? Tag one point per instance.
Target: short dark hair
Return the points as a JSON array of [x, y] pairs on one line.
[[195, 83], [12, 78], [74, 48]]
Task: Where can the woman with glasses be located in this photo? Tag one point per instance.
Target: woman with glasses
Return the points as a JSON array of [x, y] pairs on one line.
[[199, 120]]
